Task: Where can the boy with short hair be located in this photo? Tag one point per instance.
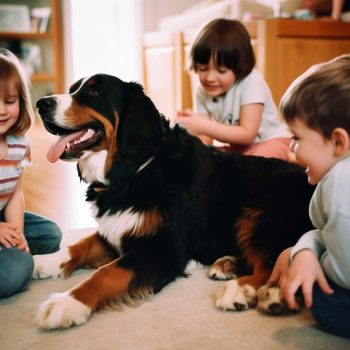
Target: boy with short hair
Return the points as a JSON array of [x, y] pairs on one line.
[[317, 110]]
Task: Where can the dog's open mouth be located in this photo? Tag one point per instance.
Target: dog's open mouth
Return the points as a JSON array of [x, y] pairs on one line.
[[71, 144]]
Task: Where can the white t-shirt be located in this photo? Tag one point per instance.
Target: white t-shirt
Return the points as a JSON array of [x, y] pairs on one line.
[[330, 214], [252, 89]]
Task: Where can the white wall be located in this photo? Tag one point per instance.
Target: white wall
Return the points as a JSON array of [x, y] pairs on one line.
[[154, 10], [105, 36]]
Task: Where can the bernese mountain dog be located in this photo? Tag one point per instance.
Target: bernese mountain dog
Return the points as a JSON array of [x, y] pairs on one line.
[[162, 198]]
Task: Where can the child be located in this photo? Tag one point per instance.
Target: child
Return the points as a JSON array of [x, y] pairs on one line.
[[234, 104], [317, 111], [21, 233]]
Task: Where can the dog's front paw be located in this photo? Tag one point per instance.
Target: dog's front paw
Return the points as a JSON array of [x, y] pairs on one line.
[[231, 296], [270, 300], [223, 269], [61, 311], [50, 265]]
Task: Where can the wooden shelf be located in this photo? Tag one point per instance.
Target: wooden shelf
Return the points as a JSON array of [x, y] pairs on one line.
[[26, 36], [50, 42], [42, 77]]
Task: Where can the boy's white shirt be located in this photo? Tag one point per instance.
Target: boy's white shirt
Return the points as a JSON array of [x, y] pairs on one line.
[[330, 214], [252, 89]]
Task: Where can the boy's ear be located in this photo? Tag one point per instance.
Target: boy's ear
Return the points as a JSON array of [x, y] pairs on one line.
[[341, 141]]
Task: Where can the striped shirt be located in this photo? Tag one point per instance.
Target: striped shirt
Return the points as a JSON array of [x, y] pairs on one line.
[[11, 168]]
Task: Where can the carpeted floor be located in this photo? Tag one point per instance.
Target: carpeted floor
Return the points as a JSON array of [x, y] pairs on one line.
[[181, 317]]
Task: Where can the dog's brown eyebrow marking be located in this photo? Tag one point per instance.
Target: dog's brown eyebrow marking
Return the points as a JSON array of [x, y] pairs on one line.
[[90, 81]]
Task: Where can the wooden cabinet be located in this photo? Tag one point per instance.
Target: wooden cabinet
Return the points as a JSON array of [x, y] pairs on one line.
[[46, 73], [165, 77], [286, 48]]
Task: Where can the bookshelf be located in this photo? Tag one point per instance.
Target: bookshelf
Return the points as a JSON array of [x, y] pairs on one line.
[[43, 48]]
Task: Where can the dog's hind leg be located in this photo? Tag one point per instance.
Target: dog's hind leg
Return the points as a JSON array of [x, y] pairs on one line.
[[92, 251]]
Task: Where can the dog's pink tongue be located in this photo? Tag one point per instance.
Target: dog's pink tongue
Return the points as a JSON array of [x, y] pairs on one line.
[[57, 149]]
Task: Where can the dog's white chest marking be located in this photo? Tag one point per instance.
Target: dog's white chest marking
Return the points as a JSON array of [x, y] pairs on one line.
[[113, 227], [92, 165]]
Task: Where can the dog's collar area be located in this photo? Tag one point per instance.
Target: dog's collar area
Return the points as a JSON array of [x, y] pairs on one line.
[[142, 166], [101, 187]]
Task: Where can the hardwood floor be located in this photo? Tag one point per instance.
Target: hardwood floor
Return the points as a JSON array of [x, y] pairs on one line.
[[54, 190]]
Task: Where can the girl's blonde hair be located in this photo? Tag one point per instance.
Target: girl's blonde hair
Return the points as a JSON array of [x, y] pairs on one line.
[[11, 70]]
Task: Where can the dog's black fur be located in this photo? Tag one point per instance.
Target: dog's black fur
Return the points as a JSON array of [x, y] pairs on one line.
[[210, 203]]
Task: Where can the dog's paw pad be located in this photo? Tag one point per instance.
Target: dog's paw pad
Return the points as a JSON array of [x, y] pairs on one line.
[[240, 307], [61, 311]]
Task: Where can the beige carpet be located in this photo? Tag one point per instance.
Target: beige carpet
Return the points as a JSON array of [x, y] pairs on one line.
[[181, 317]]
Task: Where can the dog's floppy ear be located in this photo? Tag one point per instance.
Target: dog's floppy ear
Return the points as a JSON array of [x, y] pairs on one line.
[[141, 127]]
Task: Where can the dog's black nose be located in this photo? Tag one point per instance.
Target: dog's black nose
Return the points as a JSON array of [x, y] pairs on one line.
[[46, 103]]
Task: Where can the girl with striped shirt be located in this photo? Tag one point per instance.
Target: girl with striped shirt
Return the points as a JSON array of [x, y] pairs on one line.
[[21, 233]]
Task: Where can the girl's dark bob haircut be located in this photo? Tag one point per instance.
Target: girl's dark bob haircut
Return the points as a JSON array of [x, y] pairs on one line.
[[228, 42]]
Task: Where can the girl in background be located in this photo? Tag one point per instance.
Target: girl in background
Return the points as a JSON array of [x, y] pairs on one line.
[[233, 104], [21, 233]]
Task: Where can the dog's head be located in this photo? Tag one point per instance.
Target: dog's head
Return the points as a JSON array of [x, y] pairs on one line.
[[102, 115]]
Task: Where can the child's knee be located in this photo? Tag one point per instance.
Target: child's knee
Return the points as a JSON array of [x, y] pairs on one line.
[[16, 271], [332, 321], [55, 236], [331, 311], [57, 233]]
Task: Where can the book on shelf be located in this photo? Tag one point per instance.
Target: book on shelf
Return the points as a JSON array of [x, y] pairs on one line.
[[29, 53], [14, 18], [40, 18], [32, 57]]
